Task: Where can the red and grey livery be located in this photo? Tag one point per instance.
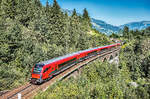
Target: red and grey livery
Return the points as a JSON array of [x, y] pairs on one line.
[[47, 69]]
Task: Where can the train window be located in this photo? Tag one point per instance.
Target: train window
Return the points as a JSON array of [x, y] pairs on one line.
[[37, 68], [92, 53], [52, 68], [46, 70], [66, 63], [102, 50]]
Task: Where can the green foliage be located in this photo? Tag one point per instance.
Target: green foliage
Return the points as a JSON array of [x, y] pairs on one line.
[[113, 35], [9, 7], [93, 83], [87, 18], [74, 13], [137, 57], [97, 81], [135, 34], [147, 31], [109, 81], [31, 33], [86, 15], [126, 32]]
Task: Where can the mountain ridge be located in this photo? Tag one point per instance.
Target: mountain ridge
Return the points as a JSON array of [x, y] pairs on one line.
[[104, 27], [108, 29]]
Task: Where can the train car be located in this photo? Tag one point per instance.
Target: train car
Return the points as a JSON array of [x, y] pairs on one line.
[[47, 69]]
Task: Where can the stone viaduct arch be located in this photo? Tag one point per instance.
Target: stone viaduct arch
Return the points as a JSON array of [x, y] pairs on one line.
[[110, 56]]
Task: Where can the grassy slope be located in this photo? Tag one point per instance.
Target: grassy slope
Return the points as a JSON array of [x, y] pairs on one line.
[[103, 81], [98, 80], [16, 75]]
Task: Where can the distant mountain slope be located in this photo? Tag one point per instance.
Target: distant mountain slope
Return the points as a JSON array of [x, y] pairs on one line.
[[104, 27], [137, 25], [109, 29]]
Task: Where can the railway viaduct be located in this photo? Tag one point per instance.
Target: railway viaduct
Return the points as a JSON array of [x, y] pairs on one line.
[[28, 90], [112, 57]]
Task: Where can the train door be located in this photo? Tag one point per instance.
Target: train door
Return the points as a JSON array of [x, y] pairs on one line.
[[45, 72], [53, 70]]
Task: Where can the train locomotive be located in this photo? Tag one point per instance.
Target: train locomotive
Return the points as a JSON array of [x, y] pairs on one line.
[[45, 70]]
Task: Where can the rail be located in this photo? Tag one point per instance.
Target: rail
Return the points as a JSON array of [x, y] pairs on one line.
[[29, 90]]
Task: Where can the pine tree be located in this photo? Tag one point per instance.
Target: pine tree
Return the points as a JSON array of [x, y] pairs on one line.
[[0, 7], [22, 10], [10, 40], [57, 28], [86, 20], [74, 28], [47, 7], [38, 3], [147, 31], [86, 15], [66, 36], [126, 32], [74, 13], [56, 7], [0, 2], [9, 7]]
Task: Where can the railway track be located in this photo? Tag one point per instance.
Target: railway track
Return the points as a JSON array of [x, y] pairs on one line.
[[29, 90]]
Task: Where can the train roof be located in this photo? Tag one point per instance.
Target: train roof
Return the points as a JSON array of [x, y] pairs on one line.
[[68, 55], [56, 59]]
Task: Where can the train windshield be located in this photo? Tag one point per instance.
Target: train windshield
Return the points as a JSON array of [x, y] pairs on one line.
[[37, 69]]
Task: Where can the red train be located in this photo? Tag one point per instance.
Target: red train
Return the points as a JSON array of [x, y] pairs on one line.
[[47, 69]]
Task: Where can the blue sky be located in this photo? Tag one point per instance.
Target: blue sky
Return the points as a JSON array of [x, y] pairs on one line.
[[115, 12]]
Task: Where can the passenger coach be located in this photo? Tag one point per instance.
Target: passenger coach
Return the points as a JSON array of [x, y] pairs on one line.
[[47, 69]]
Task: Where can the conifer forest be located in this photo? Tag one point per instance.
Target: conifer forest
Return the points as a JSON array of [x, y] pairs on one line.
[[31, 32]]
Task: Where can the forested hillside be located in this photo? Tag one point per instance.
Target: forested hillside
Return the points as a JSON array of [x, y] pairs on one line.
[[31, 32], [130, 79]]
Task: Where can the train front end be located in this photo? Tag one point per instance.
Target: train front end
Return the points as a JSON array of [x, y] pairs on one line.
[[36, 76]]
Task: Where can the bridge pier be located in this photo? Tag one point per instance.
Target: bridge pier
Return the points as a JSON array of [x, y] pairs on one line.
[[112, 57], [75, 73]]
